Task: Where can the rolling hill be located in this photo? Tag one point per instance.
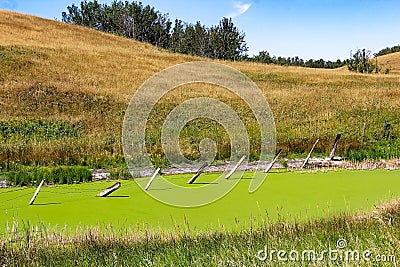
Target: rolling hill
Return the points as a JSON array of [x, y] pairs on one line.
[[391, 61], [51, 71]]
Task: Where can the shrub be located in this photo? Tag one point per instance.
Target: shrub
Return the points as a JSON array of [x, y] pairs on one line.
[[83, 174], [38, 129], [120, 173], [385, 149], [362, 63], [25, 176]]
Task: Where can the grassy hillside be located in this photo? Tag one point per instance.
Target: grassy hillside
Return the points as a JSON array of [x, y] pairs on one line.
[[63, 74], [391, 61]]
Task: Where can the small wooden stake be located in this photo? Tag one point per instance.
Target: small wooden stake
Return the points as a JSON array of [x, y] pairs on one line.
[[386, 130], [199, 171], [273, 161], [309, 154], [151, 179], [36, 192], [332, 155], [234, 168], [363, 132]]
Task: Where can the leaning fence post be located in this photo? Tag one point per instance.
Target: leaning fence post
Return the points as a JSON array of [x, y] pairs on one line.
[[309, 154], [234, 168], [152, 178], [36, 192], [197, 174], [273, 161], [332, 155]]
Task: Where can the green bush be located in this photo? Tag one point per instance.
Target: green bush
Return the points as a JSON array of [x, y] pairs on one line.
[[120, 173], [376, 150], [41, 173], [38, 129], [25, 176], [362, 63], [84, 174]]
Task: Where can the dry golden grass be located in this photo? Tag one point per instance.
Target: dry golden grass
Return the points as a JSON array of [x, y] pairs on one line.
[[391, 61], [73, 64], [83, 59]]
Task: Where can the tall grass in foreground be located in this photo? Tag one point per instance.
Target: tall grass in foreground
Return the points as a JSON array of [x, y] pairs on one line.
[[378, 233]]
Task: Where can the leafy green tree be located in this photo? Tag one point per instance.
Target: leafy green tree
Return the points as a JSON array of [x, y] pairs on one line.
[[191, 41], [221, 42], [161, 31], [230, 43], [178, 33], [264, 57], [132, 20], [362, 63], [202, 40]]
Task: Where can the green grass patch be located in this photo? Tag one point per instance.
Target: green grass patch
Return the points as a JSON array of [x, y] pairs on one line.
[[37, 129], [29, 176], [384, 149], [15, 59]]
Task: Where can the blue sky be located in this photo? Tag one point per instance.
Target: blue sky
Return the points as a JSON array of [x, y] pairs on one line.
[[326, 29]]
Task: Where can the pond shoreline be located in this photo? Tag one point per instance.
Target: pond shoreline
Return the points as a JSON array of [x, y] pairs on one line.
[[292, 164]]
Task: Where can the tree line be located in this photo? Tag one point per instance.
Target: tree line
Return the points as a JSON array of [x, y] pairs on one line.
[[264, 57], [223, 41], [388, 50], [145, 24]]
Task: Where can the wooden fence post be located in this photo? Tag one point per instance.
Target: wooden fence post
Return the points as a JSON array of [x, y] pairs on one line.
[[332, 155], [36, 192], [197, 174], [363, 133], [309, 154], [234, 168], [151, 179], [273, 161]]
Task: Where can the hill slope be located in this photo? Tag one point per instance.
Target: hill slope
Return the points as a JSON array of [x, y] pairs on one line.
[[391, 61], [53, 71], [81, 58]]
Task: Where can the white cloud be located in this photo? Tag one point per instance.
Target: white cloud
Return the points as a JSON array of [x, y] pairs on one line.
[[8, 4], [240, 8]]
